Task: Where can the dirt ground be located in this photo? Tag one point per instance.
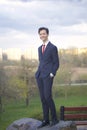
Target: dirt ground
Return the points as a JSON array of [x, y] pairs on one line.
[[77, 72]]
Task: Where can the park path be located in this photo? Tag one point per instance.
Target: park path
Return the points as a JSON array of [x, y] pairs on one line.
[[82, 127]]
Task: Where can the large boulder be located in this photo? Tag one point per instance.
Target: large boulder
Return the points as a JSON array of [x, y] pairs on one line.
[[24, 124], [32, 124]]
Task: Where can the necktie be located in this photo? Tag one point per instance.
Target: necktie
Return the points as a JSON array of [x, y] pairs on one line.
[[43, 48]]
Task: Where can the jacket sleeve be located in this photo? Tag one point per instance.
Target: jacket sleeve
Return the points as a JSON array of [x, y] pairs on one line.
[[55, 59]]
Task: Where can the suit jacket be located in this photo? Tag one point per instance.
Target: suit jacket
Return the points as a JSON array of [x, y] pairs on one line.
[[48, 62]]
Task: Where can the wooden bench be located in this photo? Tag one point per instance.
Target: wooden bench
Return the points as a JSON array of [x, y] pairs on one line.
[[78, 114]]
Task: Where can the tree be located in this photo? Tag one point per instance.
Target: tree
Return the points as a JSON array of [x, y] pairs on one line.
[[17, 88], [27, 75], [3, 84]]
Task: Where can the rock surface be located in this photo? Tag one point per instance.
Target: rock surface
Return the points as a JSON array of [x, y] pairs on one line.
[[62, 125], [32, 124], [24, 124]]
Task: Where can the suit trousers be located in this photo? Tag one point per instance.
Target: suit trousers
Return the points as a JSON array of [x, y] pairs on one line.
[[45, 89]]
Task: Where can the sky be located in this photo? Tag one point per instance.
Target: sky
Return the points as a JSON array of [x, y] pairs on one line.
[[20, 20]]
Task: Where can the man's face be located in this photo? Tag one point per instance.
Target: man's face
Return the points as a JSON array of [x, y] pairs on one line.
[[43, 35]]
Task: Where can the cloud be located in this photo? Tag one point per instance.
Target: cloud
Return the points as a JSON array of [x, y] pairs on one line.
[[25, 16], [20, 20]]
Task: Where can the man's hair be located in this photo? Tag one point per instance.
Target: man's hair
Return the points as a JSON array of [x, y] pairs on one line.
[[43, 28]]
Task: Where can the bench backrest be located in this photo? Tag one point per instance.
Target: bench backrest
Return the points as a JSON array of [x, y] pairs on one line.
[[73, 113]]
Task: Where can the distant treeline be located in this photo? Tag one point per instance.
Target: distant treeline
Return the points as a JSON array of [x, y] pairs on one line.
[[74, 57]]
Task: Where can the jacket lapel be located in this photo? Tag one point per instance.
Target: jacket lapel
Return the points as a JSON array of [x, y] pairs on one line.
[[40, 51]]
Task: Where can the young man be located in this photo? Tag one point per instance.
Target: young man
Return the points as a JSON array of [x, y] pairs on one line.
[[48, 65]]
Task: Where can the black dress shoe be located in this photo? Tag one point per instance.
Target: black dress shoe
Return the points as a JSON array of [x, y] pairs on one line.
[[44, 123], [54, 122]]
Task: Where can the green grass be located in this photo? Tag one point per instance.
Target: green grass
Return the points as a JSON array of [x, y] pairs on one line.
[[76, 96]]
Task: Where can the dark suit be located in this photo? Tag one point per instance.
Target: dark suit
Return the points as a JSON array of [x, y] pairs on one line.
[[48, 63]]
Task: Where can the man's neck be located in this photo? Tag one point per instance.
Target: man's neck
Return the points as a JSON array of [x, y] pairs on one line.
[[45, 42]]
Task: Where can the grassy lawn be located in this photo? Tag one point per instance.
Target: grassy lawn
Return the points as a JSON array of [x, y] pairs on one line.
[[67, 96]]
